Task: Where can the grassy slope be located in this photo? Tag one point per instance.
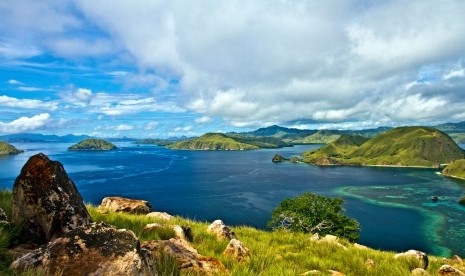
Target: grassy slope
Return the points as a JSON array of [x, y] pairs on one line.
[[455, 169], [403, 146], [93, 144], [212, 141], [321, 137], [6, 148]]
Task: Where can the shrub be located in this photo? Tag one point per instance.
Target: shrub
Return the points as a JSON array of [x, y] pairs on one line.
[[311, 213]]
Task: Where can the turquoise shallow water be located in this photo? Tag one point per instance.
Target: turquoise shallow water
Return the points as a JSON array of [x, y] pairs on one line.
[[393, 205]]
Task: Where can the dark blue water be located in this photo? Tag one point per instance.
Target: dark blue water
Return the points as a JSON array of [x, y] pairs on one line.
[[392, 205]]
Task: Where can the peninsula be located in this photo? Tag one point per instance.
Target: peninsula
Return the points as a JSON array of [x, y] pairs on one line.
[[6, 149], [93, 144]]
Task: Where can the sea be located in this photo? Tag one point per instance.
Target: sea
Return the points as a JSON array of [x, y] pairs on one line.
[[392, 205]]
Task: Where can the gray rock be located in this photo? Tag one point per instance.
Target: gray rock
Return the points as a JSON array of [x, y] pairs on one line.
[[3, 217], [236, 250], [46, 201], [99, 249], [221, 231], [416, 255], [160, 215], [188, 260], [125, 205]]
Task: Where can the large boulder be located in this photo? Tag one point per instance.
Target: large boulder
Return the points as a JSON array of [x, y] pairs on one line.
[[221, 231], [449, 270], [415, 255], [125, 205], [188, 260], [99, 249], [160, 215], [46, 201]]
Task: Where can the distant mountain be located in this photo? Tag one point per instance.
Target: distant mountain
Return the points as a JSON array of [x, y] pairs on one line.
[[35, 137], [403, 146], [319, 137], [93, 144], [452, 127], [212, 141], [157, 142], [6, 149], [278, 131]]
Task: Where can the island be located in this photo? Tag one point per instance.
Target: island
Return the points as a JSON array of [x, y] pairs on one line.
[[455, 169], [400, 147], [212, 141], [93, 144], [6, 149]]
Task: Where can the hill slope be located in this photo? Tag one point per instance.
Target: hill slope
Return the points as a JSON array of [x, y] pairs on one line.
[[455, 169], [403, 146], [212, 141], [93, 144], [6, 148]]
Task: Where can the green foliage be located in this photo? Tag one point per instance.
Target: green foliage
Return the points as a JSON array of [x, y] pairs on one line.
[[455, 169], [93, 144], [212, 141], [311, 213], [403, 146], [321, 137], [158, 142], [6, 148]]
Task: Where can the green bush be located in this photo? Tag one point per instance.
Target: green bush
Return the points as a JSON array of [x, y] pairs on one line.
[[311, 213]]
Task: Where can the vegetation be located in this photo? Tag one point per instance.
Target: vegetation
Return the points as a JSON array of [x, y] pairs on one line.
[[93, 144], [314, 214], [272, 253], [260, 141], [212, 141], [158, 142], [455, 169], [320, 137], [6, 148], [403, 146]]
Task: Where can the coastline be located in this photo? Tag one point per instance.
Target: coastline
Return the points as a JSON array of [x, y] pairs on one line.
[[452, 176]]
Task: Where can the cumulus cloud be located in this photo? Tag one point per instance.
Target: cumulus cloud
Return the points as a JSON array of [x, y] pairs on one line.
[[456, 73], [203, 120], [151, 125], [15, 82], [120, 127], [27, 103], [25, 124]]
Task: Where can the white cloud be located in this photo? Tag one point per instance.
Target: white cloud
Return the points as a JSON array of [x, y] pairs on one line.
[[15, 82], [121, 127], [83, 95], [29, 88], [203, 120], [25, 124], [183, 129], [13, 51], [27, 103], [456, 73], [151, 125]]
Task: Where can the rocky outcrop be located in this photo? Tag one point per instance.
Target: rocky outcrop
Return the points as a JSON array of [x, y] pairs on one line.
[[46, 201], [125, 205], [99, 249], [448, 270], [236, 250], [221, 231], [181, 232], [160, 215], [187, 258], [421, 257], [278, 158]]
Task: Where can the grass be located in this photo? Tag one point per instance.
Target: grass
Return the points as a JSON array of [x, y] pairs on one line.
[[272, 253], [6, 148], [455, 169], [93, 144]]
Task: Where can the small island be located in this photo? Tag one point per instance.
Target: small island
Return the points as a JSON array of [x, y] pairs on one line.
[[398, 147], [7, 149], [93, 144], [455, 169]]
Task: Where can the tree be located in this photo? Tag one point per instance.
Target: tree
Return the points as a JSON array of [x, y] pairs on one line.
[[312, 213]]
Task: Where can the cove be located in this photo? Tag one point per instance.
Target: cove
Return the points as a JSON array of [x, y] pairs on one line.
[[243, 187]]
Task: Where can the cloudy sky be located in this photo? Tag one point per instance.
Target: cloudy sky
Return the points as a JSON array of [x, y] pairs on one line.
[[169, 68]]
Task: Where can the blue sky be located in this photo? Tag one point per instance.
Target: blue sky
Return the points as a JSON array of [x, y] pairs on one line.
[[171, 68]]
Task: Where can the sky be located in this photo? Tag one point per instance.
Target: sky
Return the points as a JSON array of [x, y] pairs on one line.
[[150, 68]]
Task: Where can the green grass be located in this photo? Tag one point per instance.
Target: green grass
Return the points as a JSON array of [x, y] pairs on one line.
[[212, 141], [93, 144], [272, 253]]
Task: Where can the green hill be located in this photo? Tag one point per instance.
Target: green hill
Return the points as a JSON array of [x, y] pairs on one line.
[[455, 169], [6, 148], [402, 146], [93, 144], [212, 141]]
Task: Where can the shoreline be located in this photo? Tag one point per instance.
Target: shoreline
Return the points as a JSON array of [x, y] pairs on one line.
[[453, 176]]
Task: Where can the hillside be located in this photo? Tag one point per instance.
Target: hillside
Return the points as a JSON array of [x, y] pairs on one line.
[[455, 169], [93, 144], [6, 148], [212, 141], [320, 137], [150, 141], [403, 146]]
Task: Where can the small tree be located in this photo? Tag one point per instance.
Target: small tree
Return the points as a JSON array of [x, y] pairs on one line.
[[311, 213]]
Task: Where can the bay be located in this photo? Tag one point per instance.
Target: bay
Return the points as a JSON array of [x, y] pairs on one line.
[[393, 205]]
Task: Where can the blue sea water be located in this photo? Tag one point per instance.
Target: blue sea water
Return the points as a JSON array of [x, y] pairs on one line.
[[393, 205]]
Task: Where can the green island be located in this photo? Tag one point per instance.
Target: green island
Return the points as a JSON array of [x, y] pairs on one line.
[[455, 169], [402, 146], [93, 144], [220, 141], [6, 149]]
